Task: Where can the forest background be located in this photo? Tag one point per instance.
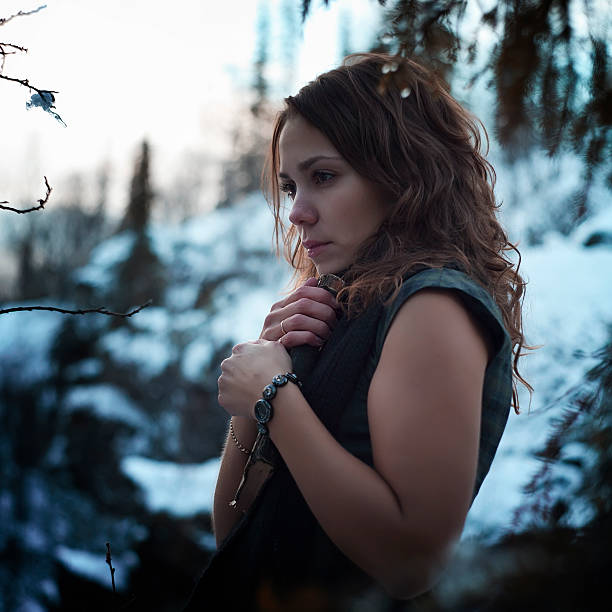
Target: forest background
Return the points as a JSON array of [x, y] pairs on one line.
[[109, 427]]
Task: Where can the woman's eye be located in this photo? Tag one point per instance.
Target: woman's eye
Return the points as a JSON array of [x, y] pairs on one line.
[[288, 188], [322, 176]]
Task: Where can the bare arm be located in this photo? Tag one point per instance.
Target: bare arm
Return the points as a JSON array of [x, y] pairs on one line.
[[424, 408], [233, 461], [308, 315]]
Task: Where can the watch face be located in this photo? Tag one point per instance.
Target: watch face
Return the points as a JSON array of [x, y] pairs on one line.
[[263, 411]]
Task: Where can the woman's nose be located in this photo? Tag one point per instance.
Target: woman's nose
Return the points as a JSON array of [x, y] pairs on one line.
[[302, 211]]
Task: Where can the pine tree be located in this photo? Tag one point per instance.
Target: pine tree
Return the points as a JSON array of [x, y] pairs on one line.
[[138, 211], [242, 173], [141, 276], [260, 83]]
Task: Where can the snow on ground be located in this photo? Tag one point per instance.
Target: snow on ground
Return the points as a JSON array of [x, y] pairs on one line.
[[151, 353], [215, 243], [25, 341], [599, 225], [229, 222], [152, 319], [567, 311], [178, 489], [241, 311], [107, 402], [99, 272], [86, 367], [196, 358], [179, 298]]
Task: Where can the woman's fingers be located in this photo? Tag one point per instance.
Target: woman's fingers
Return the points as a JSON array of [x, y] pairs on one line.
[[298, 338], [305, 323], [303, 315], [308, 309], [310, 292]]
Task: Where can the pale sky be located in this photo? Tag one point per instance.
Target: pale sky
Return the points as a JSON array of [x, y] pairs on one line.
[[175, 73]]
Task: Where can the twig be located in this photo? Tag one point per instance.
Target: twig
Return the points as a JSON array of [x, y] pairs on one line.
[[101, 310], [12, 46], [4, 53], [110, 564], [4, 20], [27, 83], [41, 202]]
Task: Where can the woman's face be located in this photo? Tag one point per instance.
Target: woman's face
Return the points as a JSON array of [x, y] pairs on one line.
[[334, 208]]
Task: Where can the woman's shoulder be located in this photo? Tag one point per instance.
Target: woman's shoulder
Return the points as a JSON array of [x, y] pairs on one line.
[[472, 295], [497, 388]]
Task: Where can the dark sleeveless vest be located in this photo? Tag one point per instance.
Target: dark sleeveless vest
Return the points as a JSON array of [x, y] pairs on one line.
[[278, 553]]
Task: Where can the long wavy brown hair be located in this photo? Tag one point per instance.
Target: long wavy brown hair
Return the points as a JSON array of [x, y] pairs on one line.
[[397, 125]]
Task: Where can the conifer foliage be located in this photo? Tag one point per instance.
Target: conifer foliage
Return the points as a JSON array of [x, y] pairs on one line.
[[241, 174], [548, 66], [141, 276], [138, 211]]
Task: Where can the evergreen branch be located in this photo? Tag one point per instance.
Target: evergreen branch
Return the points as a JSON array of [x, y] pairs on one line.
[[101, 310], [306, 7], [4, 20], [41, 201]]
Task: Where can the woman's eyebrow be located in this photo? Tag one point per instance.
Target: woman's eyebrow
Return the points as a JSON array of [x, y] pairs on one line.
[[305, 164]]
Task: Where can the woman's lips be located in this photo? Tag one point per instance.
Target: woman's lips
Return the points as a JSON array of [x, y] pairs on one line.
[[313, 248]]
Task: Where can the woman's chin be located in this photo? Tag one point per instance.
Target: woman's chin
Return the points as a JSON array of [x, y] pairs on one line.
[[330, 267], [328, 270]]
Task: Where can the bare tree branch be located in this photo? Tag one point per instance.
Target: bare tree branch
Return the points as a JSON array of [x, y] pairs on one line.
[[27, 83], [12, 46], [101, 310], [4, 52], [41, 202], [110, 564], [4, 20]]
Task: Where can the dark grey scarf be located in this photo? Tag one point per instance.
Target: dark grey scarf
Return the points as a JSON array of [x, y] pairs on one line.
[[278, 545]]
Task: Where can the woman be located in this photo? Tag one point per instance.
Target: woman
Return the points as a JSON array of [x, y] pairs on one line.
[[385, 444]]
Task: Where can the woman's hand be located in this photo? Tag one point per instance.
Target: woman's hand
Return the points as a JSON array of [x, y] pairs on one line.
[[307, 316], [244, 374]]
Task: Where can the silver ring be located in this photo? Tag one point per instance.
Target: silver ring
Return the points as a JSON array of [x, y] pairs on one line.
[[283, 327]]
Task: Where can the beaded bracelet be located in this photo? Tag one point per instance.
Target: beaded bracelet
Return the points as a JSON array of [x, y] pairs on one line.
[[244, 449], [263, 407]]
